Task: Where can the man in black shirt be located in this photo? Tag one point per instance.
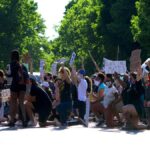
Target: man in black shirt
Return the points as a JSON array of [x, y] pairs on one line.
[[38, 102]]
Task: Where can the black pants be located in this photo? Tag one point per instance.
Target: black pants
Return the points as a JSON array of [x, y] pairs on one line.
[[64, 109], [81, 107]]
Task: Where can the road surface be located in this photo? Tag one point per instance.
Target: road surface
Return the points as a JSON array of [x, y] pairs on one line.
[[73, 138]]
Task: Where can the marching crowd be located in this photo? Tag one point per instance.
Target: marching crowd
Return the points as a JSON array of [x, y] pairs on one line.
[[113, 100]]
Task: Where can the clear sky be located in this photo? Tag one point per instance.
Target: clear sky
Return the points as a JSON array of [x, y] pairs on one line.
[[52, 12]]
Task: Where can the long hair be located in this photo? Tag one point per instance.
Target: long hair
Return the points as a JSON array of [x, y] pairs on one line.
[[2, 74], [89, 82]]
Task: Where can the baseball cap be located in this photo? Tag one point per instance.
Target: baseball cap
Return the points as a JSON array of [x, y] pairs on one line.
[[82, 72]]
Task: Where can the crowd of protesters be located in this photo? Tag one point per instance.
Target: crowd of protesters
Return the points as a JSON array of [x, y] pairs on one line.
[[113, 100]]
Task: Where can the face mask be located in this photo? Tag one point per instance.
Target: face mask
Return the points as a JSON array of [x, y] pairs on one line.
[[96, 82], [108, 83], [79, 77], [121, 78]]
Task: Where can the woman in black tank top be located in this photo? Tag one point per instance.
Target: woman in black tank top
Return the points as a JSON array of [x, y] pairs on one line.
[[65, 106]]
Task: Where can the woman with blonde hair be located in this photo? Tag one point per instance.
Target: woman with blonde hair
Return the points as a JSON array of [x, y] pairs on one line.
[[65, 106]]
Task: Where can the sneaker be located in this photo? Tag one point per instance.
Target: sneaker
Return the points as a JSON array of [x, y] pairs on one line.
[[18, 123], [63, 126], [32, 123], [24, 124], [10, 124], [57, 122], [41, 124], [127, 126], [100, 123], [148, 127]]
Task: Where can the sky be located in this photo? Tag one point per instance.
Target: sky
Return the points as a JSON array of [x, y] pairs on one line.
[[52, 12]]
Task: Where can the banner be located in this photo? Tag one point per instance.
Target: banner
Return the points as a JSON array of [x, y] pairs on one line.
[[114, 66], [73, 56]]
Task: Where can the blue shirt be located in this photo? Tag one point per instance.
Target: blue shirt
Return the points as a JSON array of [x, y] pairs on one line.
[[102, 86]]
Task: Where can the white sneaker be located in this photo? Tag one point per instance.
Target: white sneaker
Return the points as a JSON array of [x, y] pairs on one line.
[[18, 123], [32, 123]]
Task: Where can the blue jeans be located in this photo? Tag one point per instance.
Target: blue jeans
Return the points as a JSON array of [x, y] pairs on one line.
[[64, 109]]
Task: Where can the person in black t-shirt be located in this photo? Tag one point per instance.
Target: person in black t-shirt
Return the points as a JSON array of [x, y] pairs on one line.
[[38, 102], [132, 111], [65, 106], [19, 88]]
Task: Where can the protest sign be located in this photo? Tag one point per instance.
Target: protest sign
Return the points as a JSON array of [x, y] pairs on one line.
[[114, 66], [73, 56], [62, 60], [42, 63], [135, 60], [5, 95], [54, 68]]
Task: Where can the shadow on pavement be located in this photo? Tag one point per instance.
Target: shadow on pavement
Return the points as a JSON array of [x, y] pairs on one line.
[[8, 129], [118, 130]]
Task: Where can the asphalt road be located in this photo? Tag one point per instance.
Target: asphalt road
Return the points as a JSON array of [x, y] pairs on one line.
[[73, 138]]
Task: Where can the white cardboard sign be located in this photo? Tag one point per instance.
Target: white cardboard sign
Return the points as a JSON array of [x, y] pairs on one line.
[[5, 95], [54, 68], [114, 66], [73, 56]]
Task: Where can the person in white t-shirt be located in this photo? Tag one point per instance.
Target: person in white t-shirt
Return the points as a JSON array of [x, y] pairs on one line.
[[82, 93], [110, 98], [109, 94]]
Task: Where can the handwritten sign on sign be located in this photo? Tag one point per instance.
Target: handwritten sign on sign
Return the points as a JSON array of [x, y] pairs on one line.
[[135, 60], [114, 66]]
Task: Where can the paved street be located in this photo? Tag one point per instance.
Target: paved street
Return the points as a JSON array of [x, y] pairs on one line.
[[72, 138]]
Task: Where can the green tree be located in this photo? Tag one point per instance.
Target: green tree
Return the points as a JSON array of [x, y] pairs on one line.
[[23, 28], [140, 26], [78, 32], [115, 28], [99, 26]]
